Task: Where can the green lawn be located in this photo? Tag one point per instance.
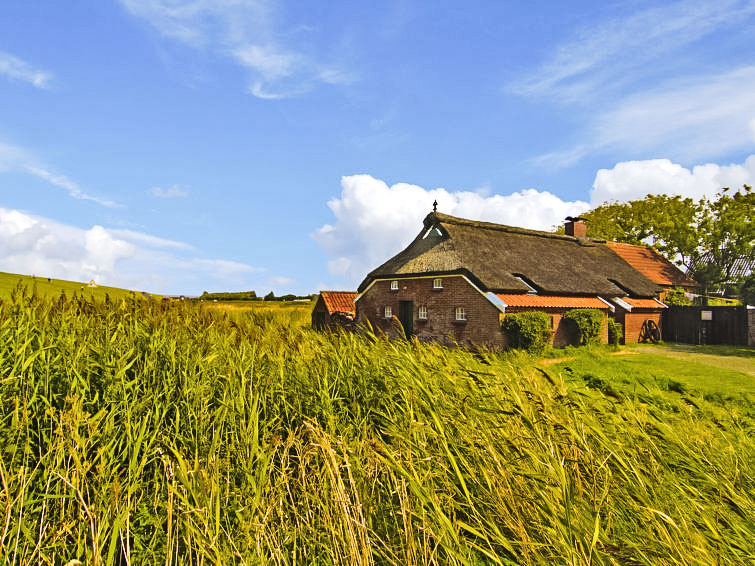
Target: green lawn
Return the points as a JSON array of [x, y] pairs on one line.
[[53, 288], [680, 371]]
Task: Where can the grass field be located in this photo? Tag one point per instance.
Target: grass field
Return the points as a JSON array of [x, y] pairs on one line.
[[53, 288], [140, 432]]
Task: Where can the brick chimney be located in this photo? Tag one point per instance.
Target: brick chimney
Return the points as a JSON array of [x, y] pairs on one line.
[[575, 227]]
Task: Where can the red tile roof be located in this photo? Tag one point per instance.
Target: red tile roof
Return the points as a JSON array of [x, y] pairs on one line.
[[339, 301], [652, 265], [643, 303], [553, 301]]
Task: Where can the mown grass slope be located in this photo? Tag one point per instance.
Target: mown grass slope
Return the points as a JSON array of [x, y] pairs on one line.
[[53, 288], [141, 433]]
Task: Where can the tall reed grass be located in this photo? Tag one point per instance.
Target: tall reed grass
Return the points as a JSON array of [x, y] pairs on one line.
[[144, 433]]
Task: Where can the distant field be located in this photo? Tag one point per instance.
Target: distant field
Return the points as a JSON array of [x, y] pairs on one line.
[[53, 288], [302, 308]]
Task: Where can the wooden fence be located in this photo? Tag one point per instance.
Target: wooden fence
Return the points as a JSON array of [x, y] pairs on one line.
[[708, 325]]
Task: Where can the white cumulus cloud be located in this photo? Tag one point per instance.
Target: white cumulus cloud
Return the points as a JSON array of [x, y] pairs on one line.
[[630, 180], [34, 245], [374, 221]]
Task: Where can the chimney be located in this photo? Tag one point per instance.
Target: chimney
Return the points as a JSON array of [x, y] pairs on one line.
[[575, 227]]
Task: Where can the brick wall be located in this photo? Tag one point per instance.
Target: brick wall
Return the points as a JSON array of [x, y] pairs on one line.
[[481, 327], [633, 322]]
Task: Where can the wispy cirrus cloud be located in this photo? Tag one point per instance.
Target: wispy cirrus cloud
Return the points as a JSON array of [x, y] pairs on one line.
[[19, 70], [637, 91], [609, 54], [171, 192], [696, 118], [13, 158], [248, 32]]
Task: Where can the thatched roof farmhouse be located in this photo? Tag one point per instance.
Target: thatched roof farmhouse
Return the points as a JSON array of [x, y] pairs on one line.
[[459, 277]]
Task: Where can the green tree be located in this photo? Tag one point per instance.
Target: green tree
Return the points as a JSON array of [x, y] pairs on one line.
[[677, 297], [707, 237], [726, 235], [747, 290]]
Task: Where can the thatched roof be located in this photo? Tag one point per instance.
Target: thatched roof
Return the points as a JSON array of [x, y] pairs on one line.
[[501, 258]]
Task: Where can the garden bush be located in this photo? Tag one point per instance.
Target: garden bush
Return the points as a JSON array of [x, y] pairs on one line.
[[529, 331], [615, 332], [588, 323]]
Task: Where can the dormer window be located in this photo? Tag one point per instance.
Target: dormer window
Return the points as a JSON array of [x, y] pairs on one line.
[[437, 283], [531, 290], [394, 285], [433, 232]]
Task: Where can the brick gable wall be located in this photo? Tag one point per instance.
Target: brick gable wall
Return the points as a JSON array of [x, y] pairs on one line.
[[482, 326]]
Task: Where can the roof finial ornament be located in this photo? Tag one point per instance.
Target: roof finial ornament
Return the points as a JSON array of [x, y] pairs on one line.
[[435, 206]]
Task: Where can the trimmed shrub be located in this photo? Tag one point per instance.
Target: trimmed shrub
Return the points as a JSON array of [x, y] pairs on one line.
[[588, 323], [615, 332], [529, 331]]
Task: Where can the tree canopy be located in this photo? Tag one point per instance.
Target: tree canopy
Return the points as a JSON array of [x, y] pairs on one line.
[[708, 237]]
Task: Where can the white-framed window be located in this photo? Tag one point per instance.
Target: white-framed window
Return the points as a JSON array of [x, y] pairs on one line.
[[388, 312], [394, 285], [437, 283], [461, 313], [422, 313]]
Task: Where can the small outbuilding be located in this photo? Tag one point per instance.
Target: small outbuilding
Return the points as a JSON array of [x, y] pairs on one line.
[[334, 309]]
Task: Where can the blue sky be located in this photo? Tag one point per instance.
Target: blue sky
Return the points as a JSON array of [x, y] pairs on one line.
[[201, 145]]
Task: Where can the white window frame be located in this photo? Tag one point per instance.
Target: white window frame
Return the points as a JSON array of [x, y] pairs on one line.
[[394, 285], [437, 283], [461, 314], [388, 311], [422, 312]]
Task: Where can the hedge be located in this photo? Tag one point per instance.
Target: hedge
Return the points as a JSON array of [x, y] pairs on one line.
[[588, 323], [529, 331], [615, 332]]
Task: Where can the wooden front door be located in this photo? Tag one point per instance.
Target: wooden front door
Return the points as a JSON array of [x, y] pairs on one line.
[[406, 316]]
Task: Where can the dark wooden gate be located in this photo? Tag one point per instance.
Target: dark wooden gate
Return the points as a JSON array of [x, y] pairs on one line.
[[706, 325], [406, 316]]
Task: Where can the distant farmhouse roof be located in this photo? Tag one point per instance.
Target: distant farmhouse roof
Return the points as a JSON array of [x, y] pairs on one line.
[[339, 302], [652, 265], [741, 267], [507, 259]]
